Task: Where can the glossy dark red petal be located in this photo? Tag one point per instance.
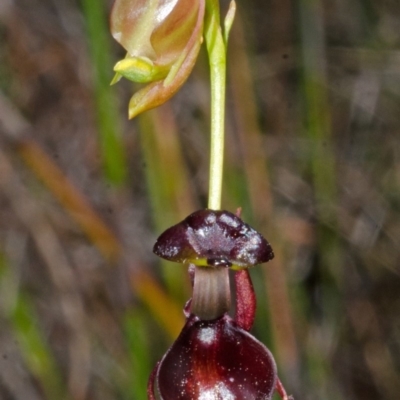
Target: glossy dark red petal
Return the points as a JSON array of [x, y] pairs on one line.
[[216, 360]]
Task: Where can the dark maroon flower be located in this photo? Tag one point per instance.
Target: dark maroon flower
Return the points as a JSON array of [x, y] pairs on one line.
[[214, 238], [215, 357]]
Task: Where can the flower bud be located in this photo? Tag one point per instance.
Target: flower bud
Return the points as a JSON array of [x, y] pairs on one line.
[[215, 360], [162, 39]]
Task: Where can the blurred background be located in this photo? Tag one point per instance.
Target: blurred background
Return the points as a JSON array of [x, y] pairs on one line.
[[312, 156]]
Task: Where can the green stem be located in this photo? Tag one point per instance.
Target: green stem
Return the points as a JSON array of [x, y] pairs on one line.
[[211, 291], [217, 59]]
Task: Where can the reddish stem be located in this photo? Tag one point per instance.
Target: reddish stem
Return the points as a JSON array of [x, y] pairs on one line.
[[150, 384], [281, 391]]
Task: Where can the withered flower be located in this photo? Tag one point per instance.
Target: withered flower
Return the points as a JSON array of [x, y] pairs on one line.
[[162, 39]]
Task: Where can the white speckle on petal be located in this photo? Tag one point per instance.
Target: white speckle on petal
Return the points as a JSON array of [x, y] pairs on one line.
[[206, 335], [229, 220], [218, 392]]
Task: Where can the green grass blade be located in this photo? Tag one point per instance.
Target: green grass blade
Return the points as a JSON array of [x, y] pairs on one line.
[[111, 144]]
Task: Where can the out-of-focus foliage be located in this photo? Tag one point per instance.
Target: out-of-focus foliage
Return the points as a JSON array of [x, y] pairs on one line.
[[312, 156]]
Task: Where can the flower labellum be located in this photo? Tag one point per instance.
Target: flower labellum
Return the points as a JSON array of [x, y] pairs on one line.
[[162, 39], [214, 239]]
